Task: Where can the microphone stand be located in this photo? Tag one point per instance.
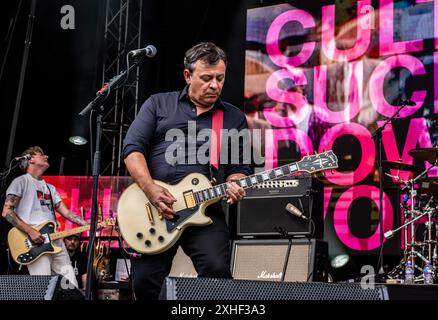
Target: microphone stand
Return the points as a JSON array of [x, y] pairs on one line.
[[377, 137], [101, 96], [105, 91], [27, 43], [285, 235]]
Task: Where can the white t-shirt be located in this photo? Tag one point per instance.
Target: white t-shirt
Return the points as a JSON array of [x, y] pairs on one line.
[[34, 206]]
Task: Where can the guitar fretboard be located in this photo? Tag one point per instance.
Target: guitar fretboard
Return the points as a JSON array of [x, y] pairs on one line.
[[66, 233], [220, 190]]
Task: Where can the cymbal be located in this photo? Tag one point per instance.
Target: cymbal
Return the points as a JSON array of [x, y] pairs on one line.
[[425, 154], [400, 166]]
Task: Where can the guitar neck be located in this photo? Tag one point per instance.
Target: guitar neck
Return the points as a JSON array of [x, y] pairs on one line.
[[310, 164], [66, 233], [220, 191]]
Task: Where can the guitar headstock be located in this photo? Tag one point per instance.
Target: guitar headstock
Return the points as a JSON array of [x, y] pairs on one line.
[[318, 162]]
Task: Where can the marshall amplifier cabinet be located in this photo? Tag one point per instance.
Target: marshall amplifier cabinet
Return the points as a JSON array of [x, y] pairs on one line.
[[266, 259], [294, 205]]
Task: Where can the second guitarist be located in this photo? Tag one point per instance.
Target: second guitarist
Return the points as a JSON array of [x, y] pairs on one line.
[[29, 202], [149, 156]]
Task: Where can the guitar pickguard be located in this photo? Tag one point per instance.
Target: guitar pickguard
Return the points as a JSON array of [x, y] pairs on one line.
[[180, 217], [35, 252]]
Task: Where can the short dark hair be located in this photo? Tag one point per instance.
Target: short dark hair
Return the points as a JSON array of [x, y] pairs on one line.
[[205, 51], [32, 151]]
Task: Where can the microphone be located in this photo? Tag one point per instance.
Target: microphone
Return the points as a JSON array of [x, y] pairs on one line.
[[388, 234], [150, 51], [295, 211], [406, 102], [25, 157]]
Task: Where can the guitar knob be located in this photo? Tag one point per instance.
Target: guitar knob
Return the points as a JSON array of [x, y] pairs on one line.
[[161, 238], [147, 243], [139, 235], [152, 230]]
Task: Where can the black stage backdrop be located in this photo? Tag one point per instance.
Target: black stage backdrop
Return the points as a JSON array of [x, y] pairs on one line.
[[64, 68]]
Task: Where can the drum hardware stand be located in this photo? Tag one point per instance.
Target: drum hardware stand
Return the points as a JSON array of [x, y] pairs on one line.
[[429, 243], [427, 210], [410, 252]]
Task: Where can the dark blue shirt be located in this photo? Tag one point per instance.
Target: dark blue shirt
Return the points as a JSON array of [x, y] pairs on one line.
[[174, 110]]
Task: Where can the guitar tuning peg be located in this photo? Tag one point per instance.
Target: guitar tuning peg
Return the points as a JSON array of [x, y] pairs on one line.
[[323, 173]]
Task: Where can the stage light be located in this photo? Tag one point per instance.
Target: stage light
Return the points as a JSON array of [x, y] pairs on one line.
[[340, 261], [78, 140], [342, 268]]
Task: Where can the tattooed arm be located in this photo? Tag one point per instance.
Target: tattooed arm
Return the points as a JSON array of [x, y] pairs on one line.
[[69, 215], [9, 214]]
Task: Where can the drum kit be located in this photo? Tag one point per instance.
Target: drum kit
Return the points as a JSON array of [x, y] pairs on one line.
[[419, 208]]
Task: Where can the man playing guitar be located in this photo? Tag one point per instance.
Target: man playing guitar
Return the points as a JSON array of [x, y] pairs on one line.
[[29, 202], [145, 157]]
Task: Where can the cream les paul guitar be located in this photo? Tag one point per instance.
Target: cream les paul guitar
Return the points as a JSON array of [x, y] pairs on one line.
[[146, 230], [24, 251]]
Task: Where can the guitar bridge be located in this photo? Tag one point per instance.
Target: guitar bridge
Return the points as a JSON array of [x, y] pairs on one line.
[[189, 198]]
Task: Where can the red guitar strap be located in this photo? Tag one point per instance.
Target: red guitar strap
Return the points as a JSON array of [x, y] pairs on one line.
[[216, 126]]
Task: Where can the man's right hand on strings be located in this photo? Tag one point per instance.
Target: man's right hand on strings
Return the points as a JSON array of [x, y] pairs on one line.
[[35, 236], [161, 199]]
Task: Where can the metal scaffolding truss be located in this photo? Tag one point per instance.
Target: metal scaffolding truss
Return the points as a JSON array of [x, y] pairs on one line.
[[122, 33]]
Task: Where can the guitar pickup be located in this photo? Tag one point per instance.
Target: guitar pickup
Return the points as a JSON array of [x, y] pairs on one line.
[[189, 198], [149, 213]]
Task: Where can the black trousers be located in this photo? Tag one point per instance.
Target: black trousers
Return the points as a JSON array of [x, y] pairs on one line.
[[207, 246]]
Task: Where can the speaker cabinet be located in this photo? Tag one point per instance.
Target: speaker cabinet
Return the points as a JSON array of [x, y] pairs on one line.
[[264, 209], [182, 266], [264, 260], [229, 289], [26, 287]]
